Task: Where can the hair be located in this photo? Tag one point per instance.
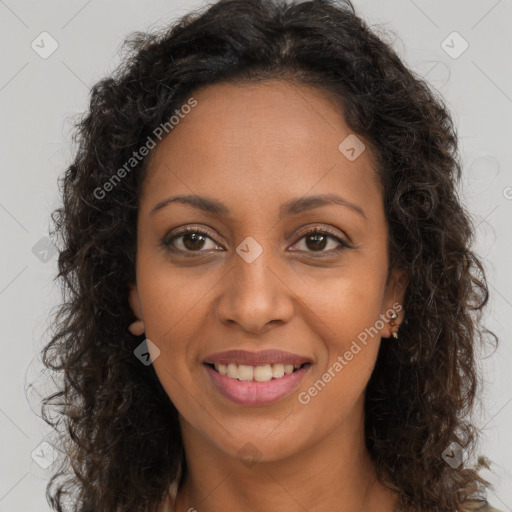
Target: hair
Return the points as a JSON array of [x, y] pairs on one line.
[[121, 435]]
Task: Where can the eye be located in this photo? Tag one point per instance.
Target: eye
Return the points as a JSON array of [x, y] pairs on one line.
[[320, 240], [191, 239], [197, 240]]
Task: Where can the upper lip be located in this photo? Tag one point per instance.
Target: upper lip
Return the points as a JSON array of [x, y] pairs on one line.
[[261, 358]]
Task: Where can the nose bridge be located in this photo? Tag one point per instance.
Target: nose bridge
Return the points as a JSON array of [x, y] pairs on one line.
[[255, 277], [253, 295]]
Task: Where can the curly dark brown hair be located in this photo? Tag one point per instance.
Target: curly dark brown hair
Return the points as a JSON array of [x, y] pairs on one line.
[[121, 435]]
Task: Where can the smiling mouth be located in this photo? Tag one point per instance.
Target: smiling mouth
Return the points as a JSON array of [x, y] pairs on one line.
[[263, 373]]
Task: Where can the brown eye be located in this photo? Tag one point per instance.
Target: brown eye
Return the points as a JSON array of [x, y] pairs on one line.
[[316, 242], [190, 240], [320, 241], [193, 241]]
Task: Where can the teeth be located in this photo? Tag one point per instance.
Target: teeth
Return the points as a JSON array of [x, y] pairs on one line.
[[277, 371], [245, 373], [232, 371], [263, 373]]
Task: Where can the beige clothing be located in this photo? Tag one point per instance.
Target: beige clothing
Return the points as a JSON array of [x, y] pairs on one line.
[[173, 489]]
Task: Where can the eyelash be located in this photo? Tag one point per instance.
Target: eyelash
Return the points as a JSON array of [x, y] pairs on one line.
[[167, 241]]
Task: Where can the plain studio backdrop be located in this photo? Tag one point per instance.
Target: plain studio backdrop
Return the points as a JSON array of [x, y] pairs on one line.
[[54, 51]]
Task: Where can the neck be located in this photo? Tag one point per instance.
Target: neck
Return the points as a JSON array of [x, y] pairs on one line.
[[336, 474]]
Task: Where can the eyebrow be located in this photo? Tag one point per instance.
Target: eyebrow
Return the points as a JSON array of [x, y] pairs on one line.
[[291, 207]]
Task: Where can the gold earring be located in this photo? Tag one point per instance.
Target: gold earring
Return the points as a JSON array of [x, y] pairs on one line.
[[137, 328], [393, 316]]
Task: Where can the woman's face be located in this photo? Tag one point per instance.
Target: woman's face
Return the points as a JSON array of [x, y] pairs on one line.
[[257, 168]]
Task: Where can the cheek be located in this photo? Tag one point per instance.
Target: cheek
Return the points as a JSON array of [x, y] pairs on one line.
[[171, 297], [175, 311], [344, 306], [344, 318], [343, 314]]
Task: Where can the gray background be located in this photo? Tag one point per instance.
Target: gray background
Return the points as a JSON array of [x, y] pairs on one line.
[[39, 96]]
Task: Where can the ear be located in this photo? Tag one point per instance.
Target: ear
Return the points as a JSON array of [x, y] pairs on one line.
[[394, 301], [133, 299]]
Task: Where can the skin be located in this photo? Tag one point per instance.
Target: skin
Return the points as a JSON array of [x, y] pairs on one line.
[[254, 147]]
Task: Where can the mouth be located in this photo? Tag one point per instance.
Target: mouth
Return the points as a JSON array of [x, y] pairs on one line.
[[256, 378], [260, 373]]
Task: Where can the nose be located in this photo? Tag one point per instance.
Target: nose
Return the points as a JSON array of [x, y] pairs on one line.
[[255, 296]]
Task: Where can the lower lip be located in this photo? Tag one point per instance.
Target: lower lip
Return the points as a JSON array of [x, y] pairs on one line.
[[256, 393]]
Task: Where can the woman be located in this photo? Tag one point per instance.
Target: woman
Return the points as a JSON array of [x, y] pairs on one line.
[[271, 298]]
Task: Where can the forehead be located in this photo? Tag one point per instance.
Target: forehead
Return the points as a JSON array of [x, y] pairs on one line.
[[272, 137]]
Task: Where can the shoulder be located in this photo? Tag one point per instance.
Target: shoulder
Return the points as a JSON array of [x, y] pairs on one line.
[[481, 506], [488, 508]]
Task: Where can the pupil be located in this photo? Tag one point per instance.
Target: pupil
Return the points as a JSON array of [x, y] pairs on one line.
[[193, 241], [317, 238]]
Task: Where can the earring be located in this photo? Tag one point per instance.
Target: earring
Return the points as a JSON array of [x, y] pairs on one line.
[[137, 328], [393, 317]]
